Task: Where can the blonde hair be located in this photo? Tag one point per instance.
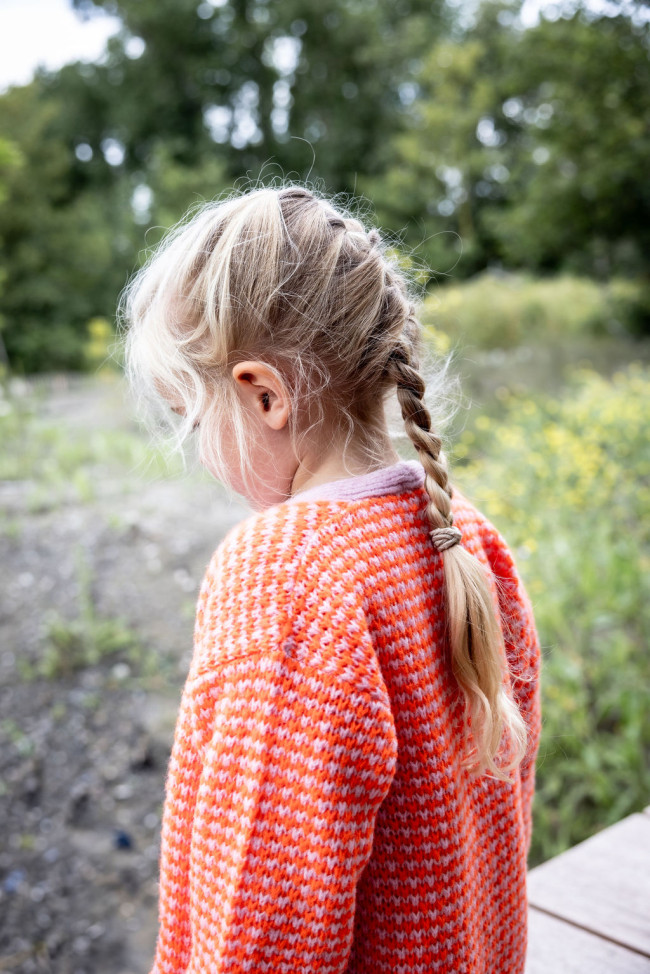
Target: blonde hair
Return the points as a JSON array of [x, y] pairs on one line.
[[285, 275]]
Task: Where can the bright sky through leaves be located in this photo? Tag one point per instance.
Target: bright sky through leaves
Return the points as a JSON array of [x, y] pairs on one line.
[[50, 33], [47, 32]]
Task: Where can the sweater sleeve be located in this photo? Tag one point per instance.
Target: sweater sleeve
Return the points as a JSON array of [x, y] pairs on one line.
[[526, 688], [297, 764]]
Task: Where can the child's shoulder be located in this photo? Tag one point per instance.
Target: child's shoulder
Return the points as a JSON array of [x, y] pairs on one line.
[[298, 536], [278, 534], [275, 580], [262, 560]]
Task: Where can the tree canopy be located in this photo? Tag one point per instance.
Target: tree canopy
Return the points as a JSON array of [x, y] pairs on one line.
[[478, 142], [528, 149]]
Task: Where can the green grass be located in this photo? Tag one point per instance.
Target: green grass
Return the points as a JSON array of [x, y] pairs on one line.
[[567, 482], [87, 640], [56, 462], [51, 453]]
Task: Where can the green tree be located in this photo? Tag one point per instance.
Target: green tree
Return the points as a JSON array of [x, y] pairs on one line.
[[521, 148], [242, 77], [10, 160], [171, 187], [190, 97], [64, 251], [577, 126]]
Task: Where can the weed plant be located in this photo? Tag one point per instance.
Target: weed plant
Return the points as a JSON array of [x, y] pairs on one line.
[[89, 639], [566, 481]]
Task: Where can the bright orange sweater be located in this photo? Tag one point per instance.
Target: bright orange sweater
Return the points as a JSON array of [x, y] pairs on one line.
[[316, 817]]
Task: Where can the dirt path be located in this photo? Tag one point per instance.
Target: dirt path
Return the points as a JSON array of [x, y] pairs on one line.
[[97, 598]]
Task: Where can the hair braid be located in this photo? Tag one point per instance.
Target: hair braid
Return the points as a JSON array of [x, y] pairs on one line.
[[417, 421], [475, 636]]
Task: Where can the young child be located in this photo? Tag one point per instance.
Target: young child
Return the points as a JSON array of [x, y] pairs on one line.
[[351, 779]]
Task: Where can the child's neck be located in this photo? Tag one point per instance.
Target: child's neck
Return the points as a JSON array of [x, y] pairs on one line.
[[333, 467]]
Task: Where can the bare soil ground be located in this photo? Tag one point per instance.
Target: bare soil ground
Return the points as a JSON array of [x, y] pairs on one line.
[[97, 596]]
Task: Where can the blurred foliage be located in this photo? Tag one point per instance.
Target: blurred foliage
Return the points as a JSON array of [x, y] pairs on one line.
[[10, 160], [87, 640], [56, 462], [480, 143], [200, 76], [567, 482], [498, 310], [62, 247], [173, 186], [527, 148], [99, 344]]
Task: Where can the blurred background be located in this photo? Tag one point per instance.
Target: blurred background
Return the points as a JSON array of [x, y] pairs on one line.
[[504, 147]]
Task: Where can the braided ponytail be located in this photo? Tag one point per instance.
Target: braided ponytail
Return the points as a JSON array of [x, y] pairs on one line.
[[475, 636]]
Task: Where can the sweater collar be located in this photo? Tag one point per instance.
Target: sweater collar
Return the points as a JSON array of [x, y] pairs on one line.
[[400, 478]]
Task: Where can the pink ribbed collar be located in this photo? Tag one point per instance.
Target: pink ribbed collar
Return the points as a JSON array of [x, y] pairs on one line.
[[397, 479]]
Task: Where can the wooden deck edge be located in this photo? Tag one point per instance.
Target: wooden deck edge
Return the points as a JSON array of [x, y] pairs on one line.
[[587, 929]]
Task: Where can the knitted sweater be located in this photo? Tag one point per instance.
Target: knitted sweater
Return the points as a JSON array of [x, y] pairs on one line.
[[316, 818]]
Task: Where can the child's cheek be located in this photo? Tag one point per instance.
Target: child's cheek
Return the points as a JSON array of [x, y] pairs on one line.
[[232, 475]]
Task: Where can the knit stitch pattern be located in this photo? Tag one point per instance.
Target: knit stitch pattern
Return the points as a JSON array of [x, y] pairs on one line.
[[317, 818]]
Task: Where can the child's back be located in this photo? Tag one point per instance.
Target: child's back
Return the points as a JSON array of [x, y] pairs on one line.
[[317, 817], [351, 780]]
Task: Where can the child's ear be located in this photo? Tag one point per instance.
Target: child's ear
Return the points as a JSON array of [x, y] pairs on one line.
[[264, 392]]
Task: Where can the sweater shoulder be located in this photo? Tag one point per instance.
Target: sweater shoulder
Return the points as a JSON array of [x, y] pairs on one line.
[[483, 539], [270, 540], [320, 540], [253, 588]]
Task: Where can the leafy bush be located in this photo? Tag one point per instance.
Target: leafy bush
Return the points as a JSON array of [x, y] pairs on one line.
[[567, 482], [505, 310]]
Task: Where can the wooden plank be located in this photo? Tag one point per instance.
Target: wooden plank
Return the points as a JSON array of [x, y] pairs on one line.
[[557, 947], [602, 884]]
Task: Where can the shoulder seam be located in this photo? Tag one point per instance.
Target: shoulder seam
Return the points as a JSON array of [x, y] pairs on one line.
[[327, 678]]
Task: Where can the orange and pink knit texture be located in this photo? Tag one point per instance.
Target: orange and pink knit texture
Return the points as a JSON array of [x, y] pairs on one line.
[[317, 818]]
